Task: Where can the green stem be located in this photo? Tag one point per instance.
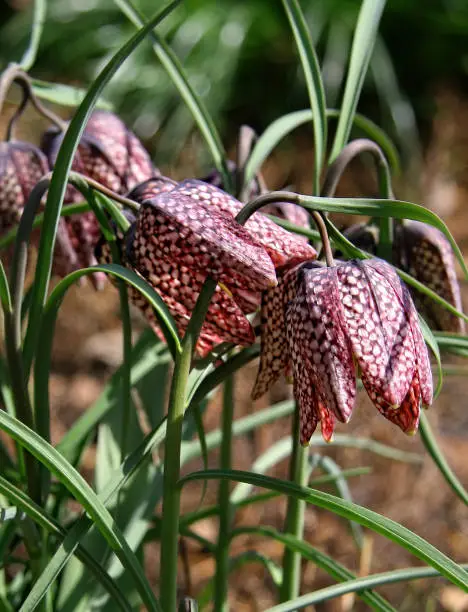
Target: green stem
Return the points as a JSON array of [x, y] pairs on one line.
[[29, 57], [294, 524], [175, 417], [225, 507]]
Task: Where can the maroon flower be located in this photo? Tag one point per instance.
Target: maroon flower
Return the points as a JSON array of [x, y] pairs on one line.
[[425, 253], [320, 321], [183, 235], [113, 156], [22, 165]]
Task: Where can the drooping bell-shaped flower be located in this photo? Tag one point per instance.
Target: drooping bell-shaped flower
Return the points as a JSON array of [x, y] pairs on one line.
[[113, 156], [425, 253], [184, 235], [22, 165], [321, 321]]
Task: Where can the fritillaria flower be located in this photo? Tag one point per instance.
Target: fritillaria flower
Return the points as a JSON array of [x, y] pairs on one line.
[[326, 325], [113, 156], [188, 233], [425, 253], [22, 165]]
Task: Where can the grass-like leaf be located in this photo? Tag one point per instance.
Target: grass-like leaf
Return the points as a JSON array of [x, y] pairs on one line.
[[176, 72], [75, 483], [395, 532], [39, 15], [321, 560], [314, 83], [286, 124], [361, 51], [64, 95]]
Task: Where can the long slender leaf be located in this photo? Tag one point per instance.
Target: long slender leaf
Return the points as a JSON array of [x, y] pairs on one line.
[[80, 489], [58, 182], [39, 14], [64, 95], [314, 83], [358, 585], [176, 72], [283, 126], [419, 547], [439, 459], [326, 563], [42, 518], [361, 51]]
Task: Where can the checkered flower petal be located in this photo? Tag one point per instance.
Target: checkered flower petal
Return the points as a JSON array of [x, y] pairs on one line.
[[307, 387], [108, 152], [421, 353], [283, 247], [406, 416], [425, 253], [379, 330], [22, 165], [274, 356], [325, 341], [179, 226], [151, 188]]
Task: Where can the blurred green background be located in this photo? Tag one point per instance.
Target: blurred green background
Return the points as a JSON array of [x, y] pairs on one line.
[[241, 59]]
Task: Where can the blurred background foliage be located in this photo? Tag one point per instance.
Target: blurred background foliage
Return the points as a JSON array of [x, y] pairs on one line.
[[241, 59]]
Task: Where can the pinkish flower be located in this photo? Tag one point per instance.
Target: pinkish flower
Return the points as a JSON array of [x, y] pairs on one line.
[[425, 253], [113, 156], [22, 165], [321, 321], [188, 233]]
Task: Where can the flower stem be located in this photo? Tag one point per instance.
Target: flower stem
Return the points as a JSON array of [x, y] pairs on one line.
[[225, 508], [175, 417], [294, 524]]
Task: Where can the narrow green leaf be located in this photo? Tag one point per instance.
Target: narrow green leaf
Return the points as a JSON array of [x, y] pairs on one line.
[[432, 344], [323, 561], [29, 57], [419, 547], [44, 520], [64, 95], [342, 488], [358, 585], [313, 78], [361, 51], [283, 126], [80, 489], [439, 459], [5, 297], [176, 72], [58, 183]]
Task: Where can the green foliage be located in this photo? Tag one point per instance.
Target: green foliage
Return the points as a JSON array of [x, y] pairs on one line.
[[94, 558]]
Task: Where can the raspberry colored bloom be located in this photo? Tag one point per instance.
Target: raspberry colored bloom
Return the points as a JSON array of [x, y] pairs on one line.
[[185, 234], [113, 156], [322, 321], [22, 165], [425, 253]]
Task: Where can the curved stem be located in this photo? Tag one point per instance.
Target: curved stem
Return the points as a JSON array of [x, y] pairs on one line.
[[29, 57], [15, 74], [322, 228], [225, 507], [336, 170]]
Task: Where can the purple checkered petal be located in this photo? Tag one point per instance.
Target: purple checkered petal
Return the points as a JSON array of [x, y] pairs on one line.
[[274, 356], [283, 247], [421, 353], [425, 253], [179, 226], [379, 330]]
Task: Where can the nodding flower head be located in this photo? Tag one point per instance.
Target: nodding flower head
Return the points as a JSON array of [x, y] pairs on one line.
[[113, 156], [22, 165], [185, 234], [425, 253], [325, 324]]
